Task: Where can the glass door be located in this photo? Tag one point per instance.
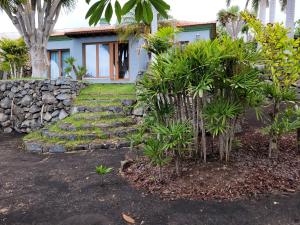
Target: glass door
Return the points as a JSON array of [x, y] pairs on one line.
[[104, 60], [54, 65], [91, 60], [64, 55], [57, 63]]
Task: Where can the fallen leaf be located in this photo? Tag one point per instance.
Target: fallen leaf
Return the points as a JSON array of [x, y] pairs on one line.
[[3, 210], [128, 219]]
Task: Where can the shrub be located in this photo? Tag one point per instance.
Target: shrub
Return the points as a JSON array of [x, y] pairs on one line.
[[13, 57], [281, 60]]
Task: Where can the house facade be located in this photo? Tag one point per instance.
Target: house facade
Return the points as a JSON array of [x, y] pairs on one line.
[[107, 59]]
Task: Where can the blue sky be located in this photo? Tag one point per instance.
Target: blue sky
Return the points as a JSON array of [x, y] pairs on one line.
[[192, 10]]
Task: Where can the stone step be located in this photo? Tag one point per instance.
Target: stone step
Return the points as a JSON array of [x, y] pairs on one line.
[[121, 132], [101, 125], [42, 147], [109, 133], [81, 109], [124, 102], [70, 136], [99, 116]]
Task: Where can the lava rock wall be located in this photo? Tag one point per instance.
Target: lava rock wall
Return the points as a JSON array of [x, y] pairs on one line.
[[27, 105]]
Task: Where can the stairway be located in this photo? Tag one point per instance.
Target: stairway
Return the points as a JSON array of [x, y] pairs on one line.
[[100, 120]]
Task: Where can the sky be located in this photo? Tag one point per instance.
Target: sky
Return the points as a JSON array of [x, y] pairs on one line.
[[190, 10]]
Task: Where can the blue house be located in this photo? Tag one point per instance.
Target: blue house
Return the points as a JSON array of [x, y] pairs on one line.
[[107, 59]]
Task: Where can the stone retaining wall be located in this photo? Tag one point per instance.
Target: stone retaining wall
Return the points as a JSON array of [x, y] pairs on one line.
[[27, 105]]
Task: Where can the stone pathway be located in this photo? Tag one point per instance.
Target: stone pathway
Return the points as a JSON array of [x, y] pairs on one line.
[[100, 121]]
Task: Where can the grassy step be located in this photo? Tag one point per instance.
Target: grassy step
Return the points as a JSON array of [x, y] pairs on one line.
[[97, 116], [41, 145], [92, 134], [110, 108], [102, 124], [98, 121]]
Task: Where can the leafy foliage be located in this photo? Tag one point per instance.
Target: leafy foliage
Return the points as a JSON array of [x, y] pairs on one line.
[[168, 142], [142, 9], [13, 56], [161, 41], [209, 83], [80, 71], [297, 29], [281, 60], [103, 170]]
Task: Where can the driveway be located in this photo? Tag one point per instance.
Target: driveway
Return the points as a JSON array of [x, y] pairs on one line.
[[63, 189]]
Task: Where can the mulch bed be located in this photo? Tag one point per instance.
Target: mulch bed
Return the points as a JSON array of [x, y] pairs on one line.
[[250, 173]]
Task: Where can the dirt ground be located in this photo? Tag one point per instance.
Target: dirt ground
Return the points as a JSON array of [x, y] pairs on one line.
[[63, 189]]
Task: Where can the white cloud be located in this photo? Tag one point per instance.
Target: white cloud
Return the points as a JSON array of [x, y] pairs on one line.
[[193, 10]]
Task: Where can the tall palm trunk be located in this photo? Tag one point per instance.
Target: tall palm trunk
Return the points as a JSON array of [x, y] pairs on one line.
[[39, 61], [35, 21], [290, 17], [262, 11], [272, 10]]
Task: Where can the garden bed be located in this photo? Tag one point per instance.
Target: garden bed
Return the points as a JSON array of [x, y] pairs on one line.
[[250, 173]]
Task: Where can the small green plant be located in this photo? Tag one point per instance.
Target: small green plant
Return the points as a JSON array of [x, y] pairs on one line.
[[155, 150], [80, 71], [103, 170]]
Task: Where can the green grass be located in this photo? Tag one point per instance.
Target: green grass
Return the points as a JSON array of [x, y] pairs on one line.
[[82, 121], [105, 95], [91, 103], [94, 115], [108, 89]]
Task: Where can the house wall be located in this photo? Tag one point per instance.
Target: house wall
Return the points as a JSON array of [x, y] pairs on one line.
[[192, 36], [138, 57]]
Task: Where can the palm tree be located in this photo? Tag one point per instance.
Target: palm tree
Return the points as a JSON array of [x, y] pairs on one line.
[[272, 10], [289, 7], [231, 20], [263, 4], [35, 20], [261, 7]]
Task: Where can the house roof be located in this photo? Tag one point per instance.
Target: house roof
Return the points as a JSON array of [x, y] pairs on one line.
[[112, 29]]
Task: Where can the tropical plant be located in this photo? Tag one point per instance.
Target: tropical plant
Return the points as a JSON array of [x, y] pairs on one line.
[[290, 9], [260, 6], [297, 29], [281, 57], [35, 21], [142, 10], [102, 171], [13, 56], [161, 41], [80, 71], [154, 149], [230, 19], [185, 84], [130, 28]]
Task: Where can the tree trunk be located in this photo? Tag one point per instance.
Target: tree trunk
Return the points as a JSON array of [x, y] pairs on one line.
[[290, 17], [273, 147], [272, 10], [262, 10], [39, 62], [221, 146], [298, 140]]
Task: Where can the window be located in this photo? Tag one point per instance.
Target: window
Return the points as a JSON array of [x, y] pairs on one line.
[[57, 63], [91, 60], [107, 60]]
